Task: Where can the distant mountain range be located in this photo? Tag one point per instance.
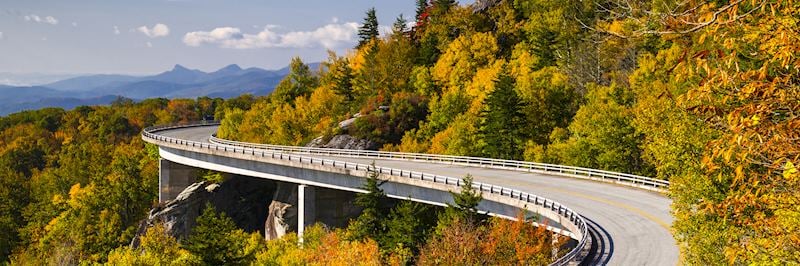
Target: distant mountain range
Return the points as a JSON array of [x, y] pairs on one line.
[[180, 82]]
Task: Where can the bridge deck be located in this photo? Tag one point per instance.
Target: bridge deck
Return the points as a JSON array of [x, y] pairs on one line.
[[631, 226]]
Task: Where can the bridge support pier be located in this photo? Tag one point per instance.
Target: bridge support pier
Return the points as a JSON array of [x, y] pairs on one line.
[[306, 207], [173, 178]]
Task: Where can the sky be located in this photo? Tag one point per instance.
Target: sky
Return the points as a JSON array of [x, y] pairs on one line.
[[150, 36]]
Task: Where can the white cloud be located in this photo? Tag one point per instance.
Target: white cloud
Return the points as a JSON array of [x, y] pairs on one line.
[[328, 36], [149, 44], [116, 30], [36, 18], [51, 20], [159, 30]]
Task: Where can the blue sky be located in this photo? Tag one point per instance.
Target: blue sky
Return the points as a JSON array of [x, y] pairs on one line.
[[150, 36]]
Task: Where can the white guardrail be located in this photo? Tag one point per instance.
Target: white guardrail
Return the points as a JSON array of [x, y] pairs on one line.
[[551, 169], [279, 152]]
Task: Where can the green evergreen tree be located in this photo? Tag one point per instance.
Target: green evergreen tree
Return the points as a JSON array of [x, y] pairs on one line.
[[217, 240], [399, 26], [464, 208], [371, 222], [427, 51], [502, 122], [440, 7], [408, 226], [422, 11], [342, 75], [465, 203], [544, 45], [369, 30]]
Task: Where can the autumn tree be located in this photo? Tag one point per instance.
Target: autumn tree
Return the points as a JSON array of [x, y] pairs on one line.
[[14, 194], [519, 242], [602, 135], [746, 56], [550, 101], [156, 248], [299, 82], [458, 243]]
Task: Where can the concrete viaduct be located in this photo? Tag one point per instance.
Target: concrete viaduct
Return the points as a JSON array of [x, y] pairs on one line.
[[614, 218]]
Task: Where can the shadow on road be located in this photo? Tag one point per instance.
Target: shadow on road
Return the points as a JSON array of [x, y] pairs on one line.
[[602, 247]]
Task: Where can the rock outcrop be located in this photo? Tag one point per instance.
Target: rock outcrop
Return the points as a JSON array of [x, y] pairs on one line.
[[242, 198], [282, 212], [344, 142]]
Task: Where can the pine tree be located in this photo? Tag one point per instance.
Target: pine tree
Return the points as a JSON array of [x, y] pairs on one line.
[[422, 11], [440, 7], [399, 26], [502, 122], [408, 226], [369, 30], [371, 223], [465, 203], [217, 240], [339, 76], [464, 208]]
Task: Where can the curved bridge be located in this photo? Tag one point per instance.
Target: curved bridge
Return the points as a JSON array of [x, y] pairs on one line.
[[615, 219]]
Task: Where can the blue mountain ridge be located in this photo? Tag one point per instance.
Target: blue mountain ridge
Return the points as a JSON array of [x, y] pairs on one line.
[[179, 82]]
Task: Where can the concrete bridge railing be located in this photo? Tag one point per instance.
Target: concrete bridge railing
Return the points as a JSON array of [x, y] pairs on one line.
[[577, 223]]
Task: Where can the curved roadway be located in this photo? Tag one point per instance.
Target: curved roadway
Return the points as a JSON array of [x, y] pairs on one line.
[[629, 226]]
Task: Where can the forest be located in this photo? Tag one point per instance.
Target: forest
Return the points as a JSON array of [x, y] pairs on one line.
[[701, 93]]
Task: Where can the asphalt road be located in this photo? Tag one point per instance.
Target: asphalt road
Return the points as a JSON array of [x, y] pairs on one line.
[[629, 226]]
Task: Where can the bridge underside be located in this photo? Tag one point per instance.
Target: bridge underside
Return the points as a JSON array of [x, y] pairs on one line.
[[281, 207], [310, 179]]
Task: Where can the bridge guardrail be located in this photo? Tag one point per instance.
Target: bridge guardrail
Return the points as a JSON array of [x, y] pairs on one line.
[[563, 170], [576, 219]]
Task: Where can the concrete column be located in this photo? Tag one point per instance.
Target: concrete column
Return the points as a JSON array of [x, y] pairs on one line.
[[306, 209], [173, 178]]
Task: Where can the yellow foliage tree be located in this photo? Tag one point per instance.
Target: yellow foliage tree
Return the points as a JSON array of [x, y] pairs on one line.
[[463, 57], [746, 58]]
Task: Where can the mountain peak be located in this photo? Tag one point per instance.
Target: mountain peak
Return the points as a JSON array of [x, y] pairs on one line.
[[230, 68], [179, 67]]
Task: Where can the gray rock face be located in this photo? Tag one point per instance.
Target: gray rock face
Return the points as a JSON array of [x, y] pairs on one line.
[[282, 213], [244, 199], [344, 142]]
